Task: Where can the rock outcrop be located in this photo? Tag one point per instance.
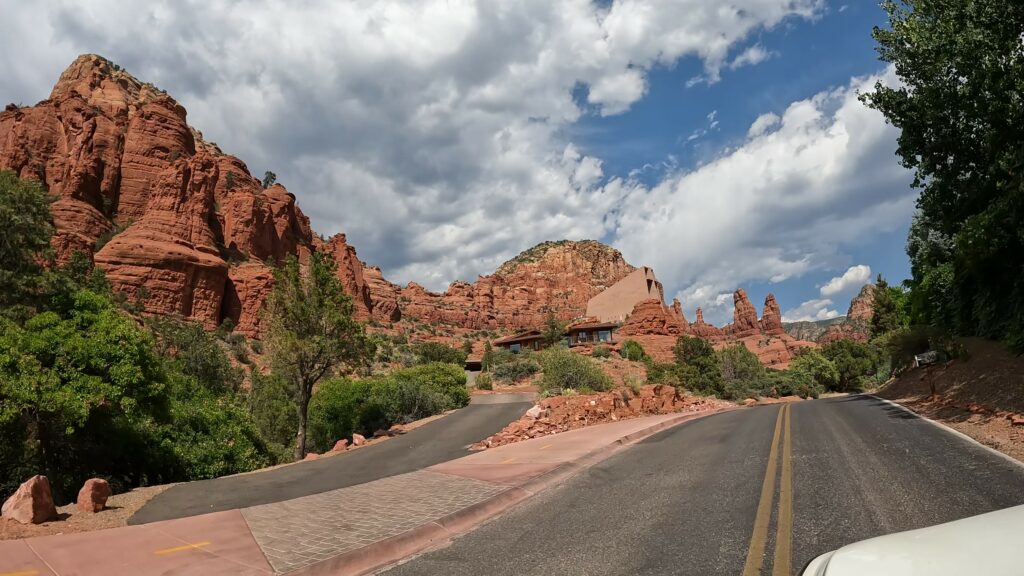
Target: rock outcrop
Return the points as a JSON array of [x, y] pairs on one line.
[[553, 276], [744, 316], [653, 317], [857, 325], [771, 317], [703, 329], [31, 503]]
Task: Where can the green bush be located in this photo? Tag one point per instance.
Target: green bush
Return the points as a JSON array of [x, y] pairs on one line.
[[341, 407], [516, 370], [484, 382], [427, 352], [195, 351], [903, 345], [272, 410], [743, 375], [813, 365], [855, 362], [664, 373], [601, 352], [632, 350], [701, 370], [564, 369], [790, 383]]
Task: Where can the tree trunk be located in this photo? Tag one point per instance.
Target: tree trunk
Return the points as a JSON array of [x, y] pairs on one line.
[[300, 438]]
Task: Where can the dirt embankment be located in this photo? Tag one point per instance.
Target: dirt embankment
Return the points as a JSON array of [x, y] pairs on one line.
[[981, 395]]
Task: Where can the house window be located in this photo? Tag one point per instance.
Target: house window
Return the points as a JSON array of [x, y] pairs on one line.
[[604, 336], [515, 348], [581, 337]]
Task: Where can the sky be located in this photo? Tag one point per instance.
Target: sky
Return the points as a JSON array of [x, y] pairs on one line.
[[721, 143]]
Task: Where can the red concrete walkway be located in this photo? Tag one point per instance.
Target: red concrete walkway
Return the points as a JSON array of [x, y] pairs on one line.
[[346, 531]]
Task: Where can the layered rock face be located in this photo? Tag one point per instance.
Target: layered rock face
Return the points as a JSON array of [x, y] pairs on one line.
[[178, 226], [560, 277], [857, 326], [652, 317], [657, 326]]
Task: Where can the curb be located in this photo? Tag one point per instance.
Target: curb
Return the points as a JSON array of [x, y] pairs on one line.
[[389, 552], [949, 429]]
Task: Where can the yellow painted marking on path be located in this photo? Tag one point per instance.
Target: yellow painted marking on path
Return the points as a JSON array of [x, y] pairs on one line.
[[755, 553], [508, 460], [546, 446], [21, 573], [194, 546], [784, 528]]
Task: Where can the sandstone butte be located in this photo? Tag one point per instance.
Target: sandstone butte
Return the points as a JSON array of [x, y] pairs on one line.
[[656, 326], [182, 228], [857, 326]]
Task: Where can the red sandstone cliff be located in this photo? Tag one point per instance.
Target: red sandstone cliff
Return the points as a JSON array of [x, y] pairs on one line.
[[177, 225], [857, 326], [652, 317], [559, 277]]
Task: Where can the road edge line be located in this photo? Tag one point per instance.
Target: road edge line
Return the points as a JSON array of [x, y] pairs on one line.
[[949, 429], [430, 536]]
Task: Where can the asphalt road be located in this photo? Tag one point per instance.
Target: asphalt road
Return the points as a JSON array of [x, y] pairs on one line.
[[438, 441], [687, 500]]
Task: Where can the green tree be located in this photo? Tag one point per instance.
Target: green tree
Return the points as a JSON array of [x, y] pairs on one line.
[[961, 122], [467, 346], [814, 366], [60, 376], [427, 352], [553, 331], [311, 332], [269, 178], [855, 363], [702, 370], [272, 410], [487, 360], [886, 317], [743, 375], [25, 241]]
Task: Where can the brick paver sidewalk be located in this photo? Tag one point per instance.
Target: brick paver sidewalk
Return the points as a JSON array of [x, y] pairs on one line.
[[297, 533]]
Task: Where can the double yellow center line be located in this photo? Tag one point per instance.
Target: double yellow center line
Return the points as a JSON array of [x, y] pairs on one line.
[[781, 566]]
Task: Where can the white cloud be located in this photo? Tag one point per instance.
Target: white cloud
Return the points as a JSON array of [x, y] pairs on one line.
[[752, 56], [782, 203], [853, 278], [811, 310], [763, 123], [433, 132]]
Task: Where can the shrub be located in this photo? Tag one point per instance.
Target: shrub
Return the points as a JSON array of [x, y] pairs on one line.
[[516, 370], [195, 351], [818, 368], [664, 373], [484, 382], [447, 380], [272, 410], [903, 345], [427, 352], [743, 375], [701, 370], [336, 411], [564, 369], [790, 383], [601, 352], [855, 362], [632, 350]]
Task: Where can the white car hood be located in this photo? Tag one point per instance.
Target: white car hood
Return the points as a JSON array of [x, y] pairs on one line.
[[991, 544]]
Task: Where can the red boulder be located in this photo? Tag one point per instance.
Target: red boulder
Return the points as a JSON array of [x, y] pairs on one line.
[[93, 495], [32, 503]]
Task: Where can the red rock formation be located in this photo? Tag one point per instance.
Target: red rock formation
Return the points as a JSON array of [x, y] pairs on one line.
[[771, 317], [557, 276], [383, 294], [704, 330], [857, 326], [195, 231], [651, 317], [350, 273], [744, 316]]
